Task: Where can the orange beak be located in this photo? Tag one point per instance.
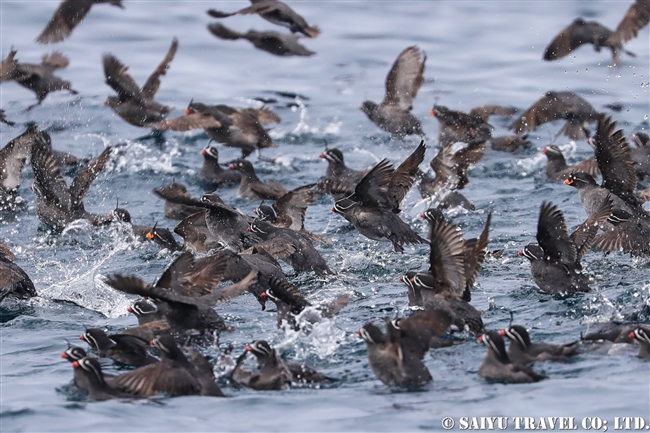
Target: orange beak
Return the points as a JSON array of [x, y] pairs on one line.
[[322, 155], [203, 152], [544, 150], [632, 335], [64, 355], [75, 364], [150, 236], [188, 111], [130, 310], [568, 182], [480, 339], [432, 112], [247, 348], [502, 332]]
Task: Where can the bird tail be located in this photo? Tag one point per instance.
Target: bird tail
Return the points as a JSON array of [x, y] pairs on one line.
[[312, 32]]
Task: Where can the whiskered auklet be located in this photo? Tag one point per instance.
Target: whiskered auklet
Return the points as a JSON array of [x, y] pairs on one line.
[[212, 173], [39, 78], [174, 374], [275, 43], [558, 106], [373, 205], [67, 16], [12, 161], [123, 348], [497, 367], [276, 12], [273, 374], [57, 204], [591, 32], [252, 187], [404, 80], [14, 282], [629, 230], [555, 260], [396, 356], [93, 378], [523, 351]]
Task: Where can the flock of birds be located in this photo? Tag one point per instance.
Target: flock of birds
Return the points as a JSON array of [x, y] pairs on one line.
[[221, 244]]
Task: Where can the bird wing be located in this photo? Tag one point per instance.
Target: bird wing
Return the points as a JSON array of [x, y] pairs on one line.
[[65, 19], [446, 258], [371, 189], [118, 78], [586, 232], [552, 235], [14, 155], [81, 183], [188, 122], [403, 177], [614, 161], [474, 258], [288, 294], [293, 205], [157, 378], [55, 61], [153, 82], [47, 177], [405, 78], [546, 109], [636, 18]]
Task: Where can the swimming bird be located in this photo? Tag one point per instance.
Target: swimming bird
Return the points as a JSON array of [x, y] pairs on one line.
[[396, 356], [174, 374], [278, 44], [555, 260], [558, 106], [338, 172], [39, 78], [290, 246], [273, 374], [522, 351], [212, 173], [67, 16], [276, 12], [160, 235], [252, 187], [404, 80], [642, 335], [122, 348], [454, 264], [97, 386], [14, 281], [290, 303], [497, 367]]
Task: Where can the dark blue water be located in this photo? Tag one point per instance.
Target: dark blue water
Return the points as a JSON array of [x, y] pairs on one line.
[[478, 52]]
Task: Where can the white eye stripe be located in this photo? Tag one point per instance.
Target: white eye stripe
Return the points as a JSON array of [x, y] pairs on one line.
[[514, 335], [90, 339], [366, 336]]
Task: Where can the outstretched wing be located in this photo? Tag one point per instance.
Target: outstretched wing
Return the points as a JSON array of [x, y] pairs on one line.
[[153, 82], [405, 78]]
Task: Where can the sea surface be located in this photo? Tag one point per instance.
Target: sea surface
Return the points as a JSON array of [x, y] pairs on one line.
[[478, 52]]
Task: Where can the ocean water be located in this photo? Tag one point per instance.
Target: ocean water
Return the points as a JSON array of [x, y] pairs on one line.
[[478, 52]]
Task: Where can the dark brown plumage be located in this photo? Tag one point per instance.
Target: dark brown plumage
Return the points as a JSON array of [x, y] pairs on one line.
[[276, 12], [39, 78], [278, 44], [522, 351], [497, 367], [396, 357], [173, 210], [557, 168], [14, 282], [252, 187], [12, 161], [402, 84], [558, 106], [67, 16], [134, 104], [57, 204]]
